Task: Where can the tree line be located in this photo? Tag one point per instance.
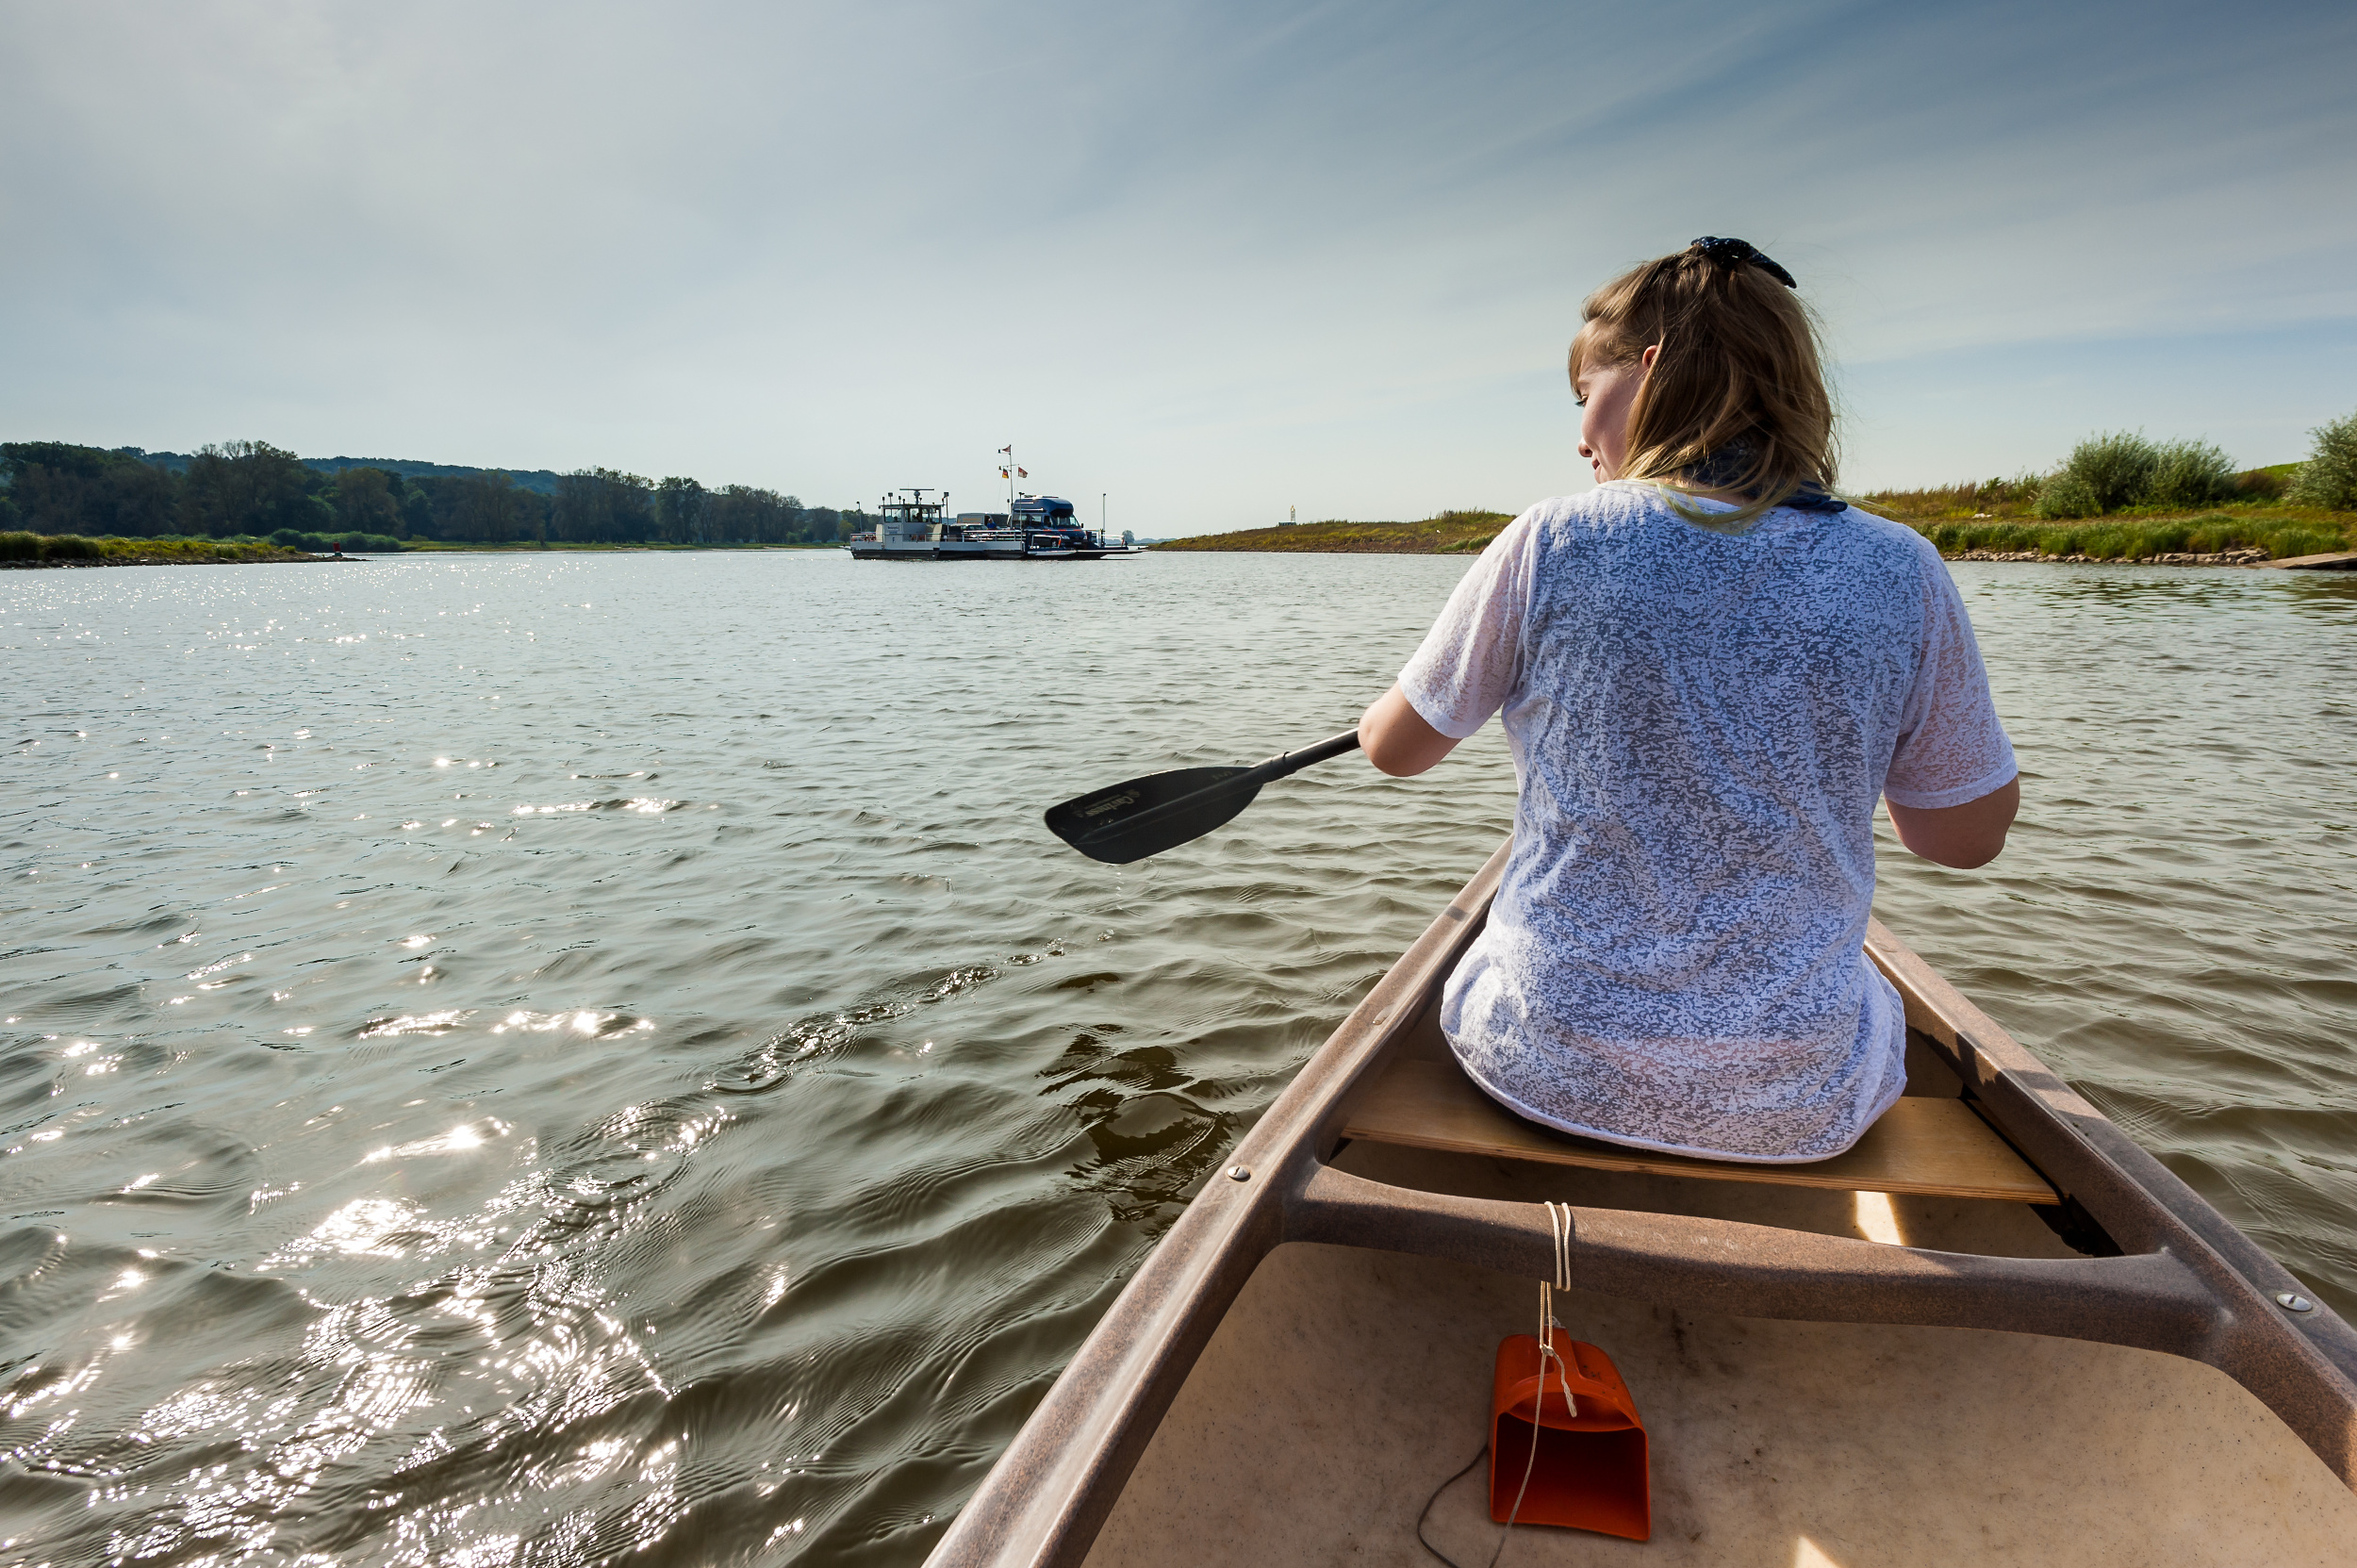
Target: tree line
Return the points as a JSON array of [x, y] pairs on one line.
[[251, 489]]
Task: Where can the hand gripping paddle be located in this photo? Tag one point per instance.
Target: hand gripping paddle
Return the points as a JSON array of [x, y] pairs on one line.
[[1145, 816]]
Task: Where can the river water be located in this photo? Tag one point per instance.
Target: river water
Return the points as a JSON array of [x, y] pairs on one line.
[[540, 1059]]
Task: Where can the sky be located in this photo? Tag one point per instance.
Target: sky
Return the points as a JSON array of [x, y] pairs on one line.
[[1198, 263]]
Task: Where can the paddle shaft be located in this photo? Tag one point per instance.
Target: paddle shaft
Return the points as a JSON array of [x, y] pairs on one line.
[[1284, 764]]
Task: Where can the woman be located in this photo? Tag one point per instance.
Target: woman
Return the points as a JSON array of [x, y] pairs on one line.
[[1709, 669]]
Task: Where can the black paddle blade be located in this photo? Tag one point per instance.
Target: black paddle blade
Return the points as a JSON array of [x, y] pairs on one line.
[[1145, 816]]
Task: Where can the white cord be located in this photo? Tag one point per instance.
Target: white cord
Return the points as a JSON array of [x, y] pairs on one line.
[[1559, 1227], [1562, 1248]]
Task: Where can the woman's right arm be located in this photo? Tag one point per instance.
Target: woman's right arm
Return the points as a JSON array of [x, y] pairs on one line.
[[1396, 738], [1951, 741]]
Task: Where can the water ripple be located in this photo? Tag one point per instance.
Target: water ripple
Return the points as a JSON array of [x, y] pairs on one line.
[[515, 1060]]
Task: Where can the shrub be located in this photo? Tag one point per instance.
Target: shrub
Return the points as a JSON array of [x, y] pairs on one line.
[[17, 545], [2119, 469], [2020, 491], [295, 539], [70, 547], [2067, 495], [2187, 473], [2116, 467], [2328, 477], [2259, 485], [319, 544]]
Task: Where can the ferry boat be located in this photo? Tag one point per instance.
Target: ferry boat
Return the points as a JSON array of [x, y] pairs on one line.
[[911, 527]]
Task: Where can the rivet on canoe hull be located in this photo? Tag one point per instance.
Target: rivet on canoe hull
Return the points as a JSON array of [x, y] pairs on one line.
[[1244, 1173], [2291, 1301]]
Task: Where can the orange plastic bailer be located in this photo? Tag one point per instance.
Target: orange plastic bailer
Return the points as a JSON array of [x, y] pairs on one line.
[[1592, 1471]]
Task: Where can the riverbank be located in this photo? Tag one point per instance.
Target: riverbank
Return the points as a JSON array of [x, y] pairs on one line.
[[446, 547], [1448, 533], [2234, 532], [22, 550], [2237, 533]]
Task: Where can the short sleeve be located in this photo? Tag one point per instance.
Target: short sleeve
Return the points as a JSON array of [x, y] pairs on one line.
[[1951, 748], [1472, 658]]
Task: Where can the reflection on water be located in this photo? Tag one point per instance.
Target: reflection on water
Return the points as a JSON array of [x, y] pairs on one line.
[[530, 1059]]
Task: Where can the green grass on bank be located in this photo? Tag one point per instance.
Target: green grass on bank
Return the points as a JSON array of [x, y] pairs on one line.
[[379, 544], [1449, 534], [2278, 531], [1960, 519], [67, 550], [2257, 509]]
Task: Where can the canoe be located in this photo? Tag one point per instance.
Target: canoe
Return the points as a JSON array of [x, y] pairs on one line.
[[1996, 1331]]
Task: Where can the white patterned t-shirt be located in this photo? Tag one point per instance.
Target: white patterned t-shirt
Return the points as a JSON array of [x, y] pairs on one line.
[[1701, 723]]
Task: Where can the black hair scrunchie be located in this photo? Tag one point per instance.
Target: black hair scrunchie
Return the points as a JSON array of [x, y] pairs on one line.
[[1735, 253]]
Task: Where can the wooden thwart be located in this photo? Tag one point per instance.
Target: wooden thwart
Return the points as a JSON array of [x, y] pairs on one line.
[[1935, 1146]]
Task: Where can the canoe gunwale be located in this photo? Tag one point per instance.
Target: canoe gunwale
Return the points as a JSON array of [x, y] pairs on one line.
[[2301, 1366], [2186, 1283], [1045, 1500]]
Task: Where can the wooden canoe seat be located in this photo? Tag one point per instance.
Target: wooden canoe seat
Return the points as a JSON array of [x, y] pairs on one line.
[[1936, 1147]]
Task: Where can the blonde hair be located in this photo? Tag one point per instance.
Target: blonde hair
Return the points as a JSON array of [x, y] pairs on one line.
[[1738, 377]]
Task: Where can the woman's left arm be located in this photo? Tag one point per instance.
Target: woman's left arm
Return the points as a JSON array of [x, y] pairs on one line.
[[1396, 738]]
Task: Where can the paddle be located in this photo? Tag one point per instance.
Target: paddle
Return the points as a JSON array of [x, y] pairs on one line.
[[1145, 816]]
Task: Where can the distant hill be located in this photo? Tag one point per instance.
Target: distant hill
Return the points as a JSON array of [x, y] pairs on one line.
[[540, 481]]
